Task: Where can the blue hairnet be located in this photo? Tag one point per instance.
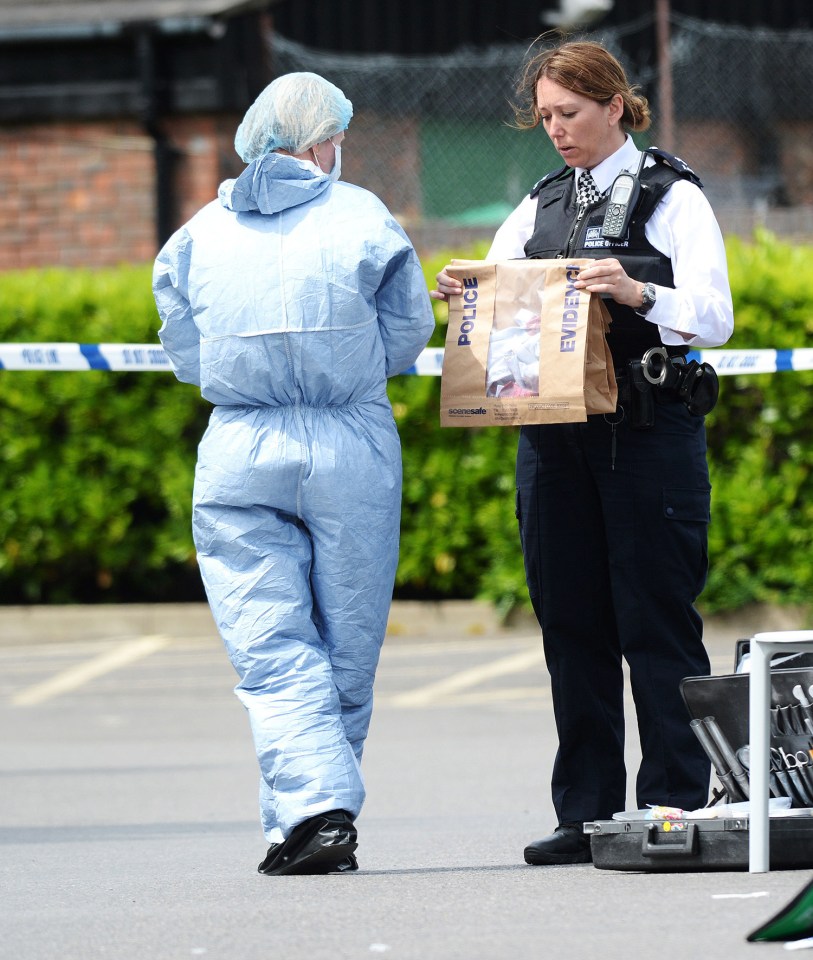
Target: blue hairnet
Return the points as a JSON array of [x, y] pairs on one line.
[[294, 112]]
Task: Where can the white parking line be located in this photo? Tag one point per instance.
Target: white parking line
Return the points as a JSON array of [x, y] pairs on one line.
[[81, 674], [467, 678]]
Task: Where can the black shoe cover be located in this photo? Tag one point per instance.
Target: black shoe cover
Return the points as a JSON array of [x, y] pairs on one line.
[[321, 844]]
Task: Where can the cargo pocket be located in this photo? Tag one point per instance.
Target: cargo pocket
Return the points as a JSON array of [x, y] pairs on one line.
[[678, 555], [680, 503]]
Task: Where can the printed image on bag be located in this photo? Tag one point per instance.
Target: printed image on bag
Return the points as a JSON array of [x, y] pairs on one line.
[[524, 346], [512, 368]]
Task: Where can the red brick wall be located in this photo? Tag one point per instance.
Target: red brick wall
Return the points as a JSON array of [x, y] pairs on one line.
[[796, 150], [717, 149], [207, 157], [75, 194], [83, 193], [711, 148]]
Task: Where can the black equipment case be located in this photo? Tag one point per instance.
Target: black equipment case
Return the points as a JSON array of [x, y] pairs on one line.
[[631, 842], [694, 846]]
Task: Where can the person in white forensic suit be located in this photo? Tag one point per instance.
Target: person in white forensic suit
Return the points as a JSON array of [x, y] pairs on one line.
[[289, 301]]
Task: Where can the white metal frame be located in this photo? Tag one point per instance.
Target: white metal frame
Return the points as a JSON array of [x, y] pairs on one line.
[[759, 725]]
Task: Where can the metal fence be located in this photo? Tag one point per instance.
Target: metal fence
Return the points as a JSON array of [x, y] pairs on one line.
[[433, 135]]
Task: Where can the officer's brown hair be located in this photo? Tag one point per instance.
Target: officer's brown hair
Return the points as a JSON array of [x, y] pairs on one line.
[[586, 68]]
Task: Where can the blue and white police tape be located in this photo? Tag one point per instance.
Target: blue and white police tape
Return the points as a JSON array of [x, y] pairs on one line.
[[83, 356], [146, 356]]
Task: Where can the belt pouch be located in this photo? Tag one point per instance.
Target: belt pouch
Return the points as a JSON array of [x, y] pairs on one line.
[[642, 402]]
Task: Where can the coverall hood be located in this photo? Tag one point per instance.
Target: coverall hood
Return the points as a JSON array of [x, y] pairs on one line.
[[273, 183]]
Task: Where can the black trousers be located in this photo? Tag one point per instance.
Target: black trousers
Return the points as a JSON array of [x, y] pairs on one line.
[[614, 537]]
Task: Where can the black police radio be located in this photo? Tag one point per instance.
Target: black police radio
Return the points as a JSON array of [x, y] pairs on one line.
[[623, 198]]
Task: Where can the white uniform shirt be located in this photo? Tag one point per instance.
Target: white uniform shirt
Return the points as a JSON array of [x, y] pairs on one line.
[[698, 312]]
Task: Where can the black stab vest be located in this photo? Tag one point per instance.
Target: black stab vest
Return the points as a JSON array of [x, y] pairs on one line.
[[557, 234]]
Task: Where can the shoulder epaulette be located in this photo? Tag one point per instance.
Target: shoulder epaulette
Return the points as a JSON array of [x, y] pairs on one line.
[[680, 166], [550, 178]]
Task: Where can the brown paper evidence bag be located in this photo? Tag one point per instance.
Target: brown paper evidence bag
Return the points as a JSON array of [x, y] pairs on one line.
[[524, 346]]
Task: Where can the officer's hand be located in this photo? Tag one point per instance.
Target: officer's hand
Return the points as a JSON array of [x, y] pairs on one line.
[[447, 286], [609, 277]]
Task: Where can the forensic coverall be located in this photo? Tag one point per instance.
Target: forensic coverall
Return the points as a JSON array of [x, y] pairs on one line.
[[289, 301]]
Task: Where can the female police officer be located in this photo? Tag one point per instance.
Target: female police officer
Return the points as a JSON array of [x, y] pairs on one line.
[[613, 512]]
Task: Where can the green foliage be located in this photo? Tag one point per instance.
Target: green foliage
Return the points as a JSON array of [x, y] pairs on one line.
[[99, 465], [761, 537]]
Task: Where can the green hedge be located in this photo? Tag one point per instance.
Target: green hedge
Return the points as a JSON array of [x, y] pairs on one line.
[[761, 455], [98, 465]]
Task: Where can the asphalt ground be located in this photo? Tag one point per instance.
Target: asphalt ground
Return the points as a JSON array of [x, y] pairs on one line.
[[129, 828]]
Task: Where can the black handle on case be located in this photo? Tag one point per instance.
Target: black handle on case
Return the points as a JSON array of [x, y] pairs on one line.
[[688, 848]]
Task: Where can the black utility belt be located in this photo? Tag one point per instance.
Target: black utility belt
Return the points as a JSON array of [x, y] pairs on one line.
[[660, 378]]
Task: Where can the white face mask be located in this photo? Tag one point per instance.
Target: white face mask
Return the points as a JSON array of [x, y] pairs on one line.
[[336, 170]]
